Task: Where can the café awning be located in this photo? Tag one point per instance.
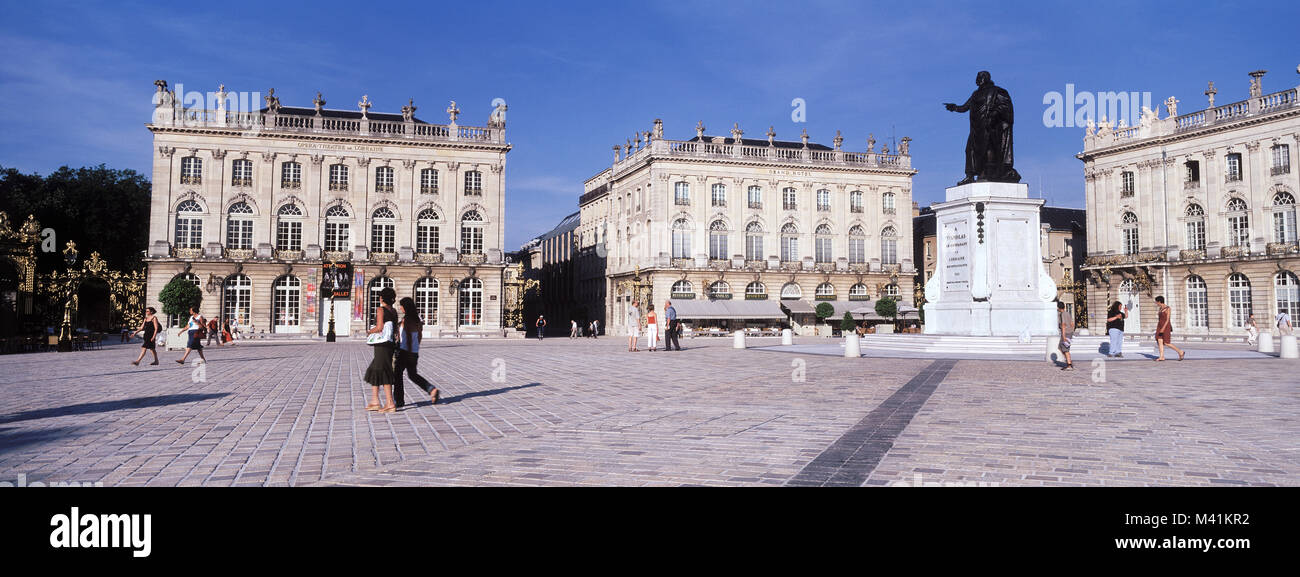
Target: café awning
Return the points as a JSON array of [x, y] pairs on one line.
[[728, 309]]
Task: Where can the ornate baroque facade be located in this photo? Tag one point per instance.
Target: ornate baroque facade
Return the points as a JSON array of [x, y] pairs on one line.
[[715, 219], [248, 205], [1200, 208]]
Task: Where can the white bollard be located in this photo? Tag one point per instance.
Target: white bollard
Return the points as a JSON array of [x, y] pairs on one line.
[[852, 346], [738, 341], [1266, 343], [1054, 350], [1289, 348], [787, 337]]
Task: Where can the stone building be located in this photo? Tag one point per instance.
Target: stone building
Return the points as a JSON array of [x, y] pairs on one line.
[[250, 205], [746, 233], [551, 261], [1198, 207]]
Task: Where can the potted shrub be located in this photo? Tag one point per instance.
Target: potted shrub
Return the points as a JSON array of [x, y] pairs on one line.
[[887, 308], [177, 297]]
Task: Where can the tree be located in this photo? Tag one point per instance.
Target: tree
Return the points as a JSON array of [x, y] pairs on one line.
[[846, 324], [104, 210], [179, 296], [823, 311], [887, 307]]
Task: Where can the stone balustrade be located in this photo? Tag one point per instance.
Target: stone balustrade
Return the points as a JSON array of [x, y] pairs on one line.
[[1236, 111], [265, 121]]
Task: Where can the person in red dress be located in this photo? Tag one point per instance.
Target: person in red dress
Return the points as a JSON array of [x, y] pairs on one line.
[[1165, 330]]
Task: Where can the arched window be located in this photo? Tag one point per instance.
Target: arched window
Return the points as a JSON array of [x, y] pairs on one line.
[[889, 246], [239, 299], [825, 292], [471, 302], [789, 242], [754, 241], [859, 292], [755, 290], [891, 291], [426, 231], [1239, 300], [338, 237], [720, 290], [288, 228], [822, 244], [791, 291], [426, 300], [373, 301], [1287, 294], [287, 302], [239, 226], [383, 230], [681, 239], [1198, 303], [1195, 227], [857, 245], [429, 181], [471, 233], [755, 197], [189, 225], [823, 199], [1284, 222], [1238, 223], [855, 201], [718, 240], [719, 197], [683, 288], [384, 179], [1129, 230]]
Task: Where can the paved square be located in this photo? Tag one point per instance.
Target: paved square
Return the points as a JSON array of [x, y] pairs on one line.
[[583, 412]]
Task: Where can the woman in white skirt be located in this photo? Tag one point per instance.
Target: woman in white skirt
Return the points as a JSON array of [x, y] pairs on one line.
[[651, 328], [633, 326]]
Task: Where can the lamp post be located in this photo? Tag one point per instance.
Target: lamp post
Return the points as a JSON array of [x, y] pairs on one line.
[[65, 330], [455, 295], [329, 337]]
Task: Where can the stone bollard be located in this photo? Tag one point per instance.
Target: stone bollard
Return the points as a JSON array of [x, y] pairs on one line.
[[738, 341], [787, 337], [1054, 350], [852, 346], [1266, 343], [1288, 348]]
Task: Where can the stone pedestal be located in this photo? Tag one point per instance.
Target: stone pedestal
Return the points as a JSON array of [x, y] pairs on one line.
[[1266, 342], [1289, 350], [787, 337], [989, 279], [738, 340], [852, 346]]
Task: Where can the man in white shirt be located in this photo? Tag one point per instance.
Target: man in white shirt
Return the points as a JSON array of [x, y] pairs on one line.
[[1284, 322]]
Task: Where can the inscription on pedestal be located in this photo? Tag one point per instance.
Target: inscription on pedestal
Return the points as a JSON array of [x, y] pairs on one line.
[[956, 250]]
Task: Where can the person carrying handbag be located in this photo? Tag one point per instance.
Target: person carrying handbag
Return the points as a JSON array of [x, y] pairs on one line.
[[380, 372]]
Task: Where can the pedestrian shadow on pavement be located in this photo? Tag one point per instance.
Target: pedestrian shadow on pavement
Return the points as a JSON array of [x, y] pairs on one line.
[[458, 398], [108, 406], [14, 438]]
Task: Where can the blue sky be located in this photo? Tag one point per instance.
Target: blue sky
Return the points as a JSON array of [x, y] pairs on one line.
[[76, 78]]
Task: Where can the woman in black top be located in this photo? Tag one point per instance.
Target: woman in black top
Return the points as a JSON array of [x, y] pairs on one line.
[[150, 328], [408, 353], [1115, 328], [380, 372]]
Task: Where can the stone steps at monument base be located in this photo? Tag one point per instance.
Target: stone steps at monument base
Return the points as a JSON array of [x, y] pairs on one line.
[[984, 345]]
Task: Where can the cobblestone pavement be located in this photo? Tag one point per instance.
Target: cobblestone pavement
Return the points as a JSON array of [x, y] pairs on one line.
[[583, 412]]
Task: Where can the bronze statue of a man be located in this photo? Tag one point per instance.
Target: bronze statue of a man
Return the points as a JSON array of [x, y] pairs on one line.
[[988, 148]]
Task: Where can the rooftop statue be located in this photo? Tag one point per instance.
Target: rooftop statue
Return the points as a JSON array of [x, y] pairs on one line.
[[988, 148]]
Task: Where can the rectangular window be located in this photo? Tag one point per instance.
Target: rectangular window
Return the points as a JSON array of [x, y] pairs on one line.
[[1131, 240], [1281, 159], [288, 235], [338, 177], [1196, 235], [1234, 167], [1239, 230], [789, 199], [889, 251], [823, 250], [429, 181], [755, 197], [855, 201], [717, 245], [241, 173], [191, 170], [426, 239], [1126, 184], [789, 249], [291, 175], [857, 250], [336, 236], [473, 183], [239, 233], [384, 179], [823, 200], [681, 243], [189, 233], [471, 239], [382, 237], [681, 193], [719, 195], [1193, 172], [1284, 223], [754, 247]]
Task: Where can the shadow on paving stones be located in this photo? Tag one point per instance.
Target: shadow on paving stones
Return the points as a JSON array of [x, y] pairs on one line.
[[18, 438], [107, 406], [458, 398]]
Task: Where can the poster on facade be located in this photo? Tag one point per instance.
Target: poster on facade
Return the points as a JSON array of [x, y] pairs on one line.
[[311, 293], [336, 280], [359, 303]]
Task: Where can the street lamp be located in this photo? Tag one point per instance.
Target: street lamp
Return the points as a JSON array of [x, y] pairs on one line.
[[329, 337], [65, 330]]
